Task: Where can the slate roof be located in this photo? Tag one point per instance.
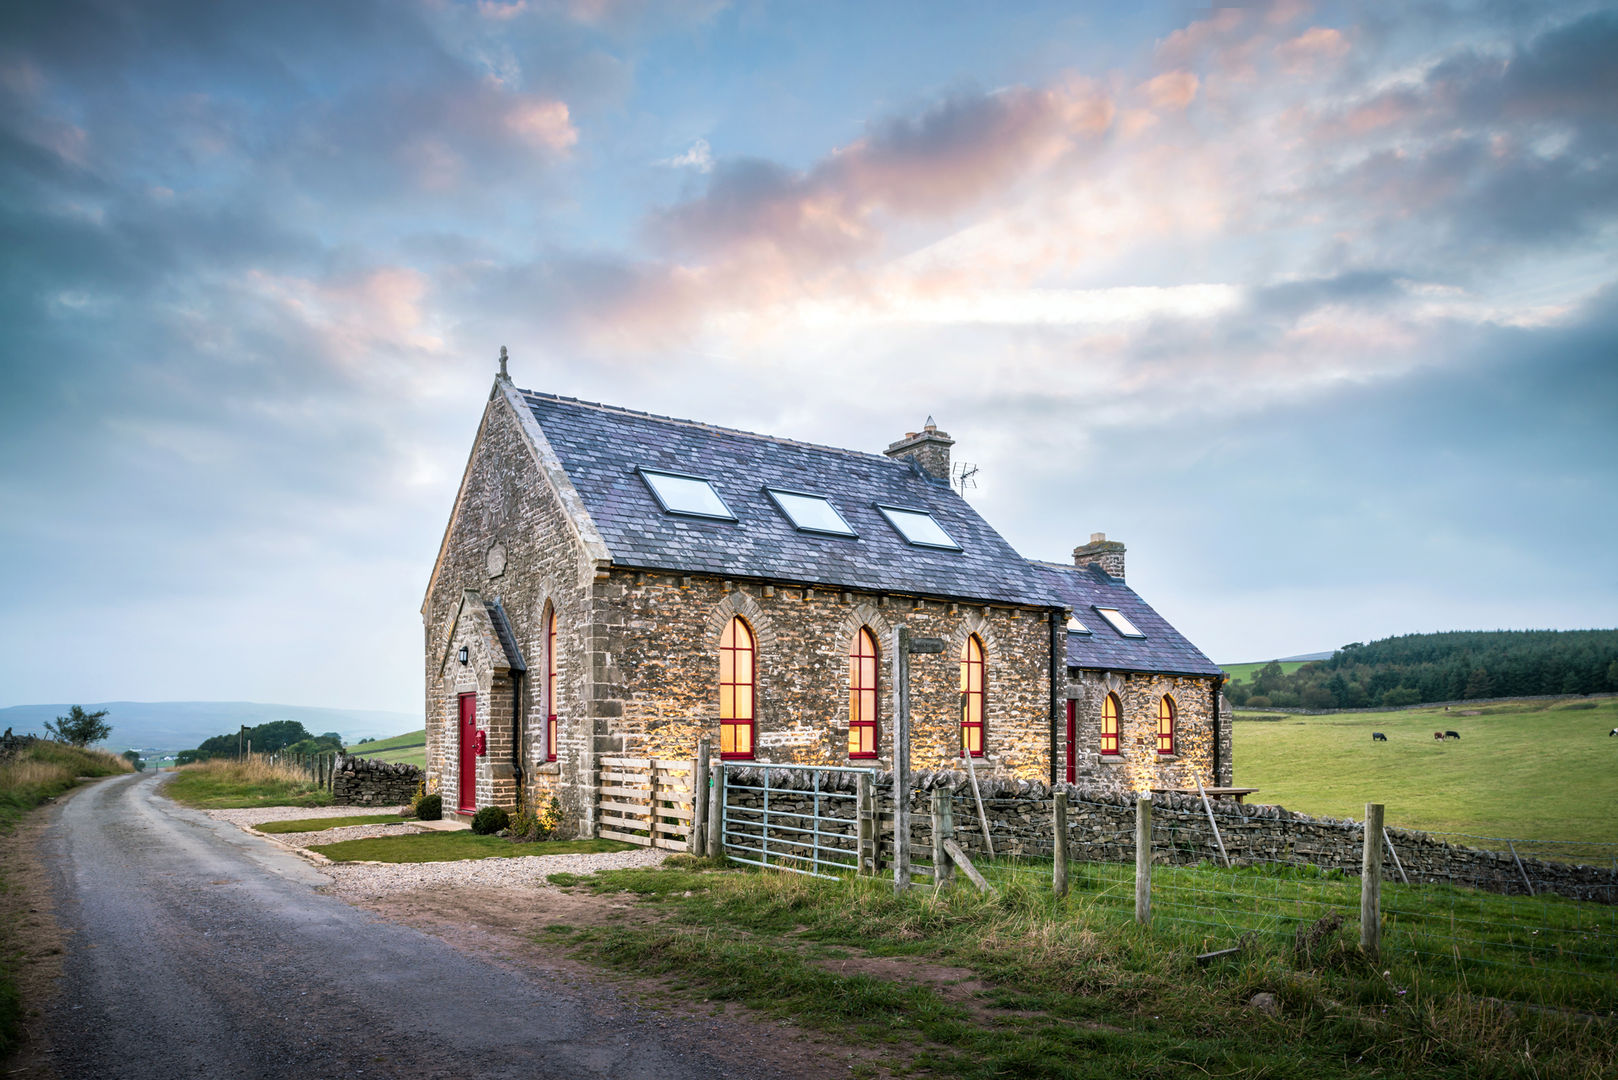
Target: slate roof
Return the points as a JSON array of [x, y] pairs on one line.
[[601, 446], [1163, 649]]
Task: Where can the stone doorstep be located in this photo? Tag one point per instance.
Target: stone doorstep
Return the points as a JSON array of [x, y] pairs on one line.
[[444, 825]]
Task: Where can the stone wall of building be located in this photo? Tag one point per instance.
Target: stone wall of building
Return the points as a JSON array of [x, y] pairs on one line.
[[358, 781], [659, 673], [1138, 761], [1101, 828], [512, 540]]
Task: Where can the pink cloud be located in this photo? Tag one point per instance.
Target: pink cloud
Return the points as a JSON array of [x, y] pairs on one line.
[[1317, 45], [542, 123], [1174, 90]]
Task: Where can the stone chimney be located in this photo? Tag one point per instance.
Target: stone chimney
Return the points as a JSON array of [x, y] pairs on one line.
[[929, 448], [1107, 554]]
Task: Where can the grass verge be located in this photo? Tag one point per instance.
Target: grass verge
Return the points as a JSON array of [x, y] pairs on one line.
[[228, 785], [1069, 989], [40, 771], [452, 846], [321, 824]]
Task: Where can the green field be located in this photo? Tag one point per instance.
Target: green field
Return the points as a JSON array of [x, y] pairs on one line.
[[1245, 672], [411, 748], [1542, 770], [451, 846]]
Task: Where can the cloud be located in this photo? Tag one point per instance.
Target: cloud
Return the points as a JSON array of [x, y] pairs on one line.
[[1171, 90], [698, 157]]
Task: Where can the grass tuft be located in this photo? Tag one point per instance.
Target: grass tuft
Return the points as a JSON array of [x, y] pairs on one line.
[[453, 846]]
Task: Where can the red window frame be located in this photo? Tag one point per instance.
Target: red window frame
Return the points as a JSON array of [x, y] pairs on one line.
[[1111, 712], [737, 657], [864, 662], [972, 697], [1072, 734], [1165, 725], [550, 684]]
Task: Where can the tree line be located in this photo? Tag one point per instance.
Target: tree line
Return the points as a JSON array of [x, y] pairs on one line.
[[273, 737], [1418, 668]]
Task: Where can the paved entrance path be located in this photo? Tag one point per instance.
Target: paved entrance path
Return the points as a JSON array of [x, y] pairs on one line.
[[196, 950]]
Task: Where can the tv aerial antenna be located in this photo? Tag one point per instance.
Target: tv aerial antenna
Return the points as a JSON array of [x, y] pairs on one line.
[[963, 475]]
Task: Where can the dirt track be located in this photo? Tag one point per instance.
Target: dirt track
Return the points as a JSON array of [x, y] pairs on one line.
[[196, 950]]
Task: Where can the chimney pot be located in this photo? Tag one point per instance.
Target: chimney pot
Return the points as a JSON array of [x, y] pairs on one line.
[[929, 448], [1107, 554]]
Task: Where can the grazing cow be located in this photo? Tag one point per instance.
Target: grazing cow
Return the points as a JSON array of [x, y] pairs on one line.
[[1452, 734], [1613, 732], [1377, 736], [1439, 735]]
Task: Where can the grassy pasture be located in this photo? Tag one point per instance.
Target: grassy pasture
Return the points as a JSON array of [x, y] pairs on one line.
[[411, 748], [1535, 769], [1245, 672], [324, 823], [228, 784]]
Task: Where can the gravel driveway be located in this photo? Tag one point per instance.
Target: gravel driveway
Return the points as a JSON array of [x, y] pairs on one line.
[[200, 950]]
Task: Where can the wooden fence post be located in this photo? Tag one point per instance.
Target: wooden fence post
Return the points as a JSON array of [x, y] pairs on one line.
[[1143, 860], [1059, 824], [716, 815], [901, 758], [1371, 882], [699, 800], [943, 829], [865, 808]]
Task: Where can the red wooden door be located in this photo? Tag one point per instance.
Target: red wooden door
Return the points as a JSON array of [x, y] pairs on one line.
[[1072, 759], [469, 754]]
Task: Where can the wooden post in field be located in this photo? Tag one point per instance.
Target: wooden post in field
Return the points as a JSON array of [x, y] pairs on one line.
[[716, 815], [699, 799], [1143, 860], [865, 808], [943, 829], [1371, 882], [1059, 825], [901, 758]]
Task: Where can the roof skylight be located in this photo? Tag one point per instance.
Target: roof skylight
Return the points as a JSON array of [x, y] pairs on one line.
[[1074, 626], [918, 527], [686, 495], [811, 513], [1119, 622]]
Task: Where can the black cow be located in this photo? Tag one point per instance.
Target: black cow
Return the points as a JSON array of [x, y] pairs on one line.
[[1610, 734], [1452, 734], [1377, 736]]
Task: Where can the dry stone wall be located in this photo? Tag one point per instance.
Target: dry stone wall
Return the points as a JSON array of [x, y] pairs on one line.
[[360, 781], [1101, 828]]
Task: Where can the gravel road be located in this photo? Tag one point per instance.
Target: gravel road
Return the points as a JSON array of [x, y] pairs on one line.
[[198, 950]]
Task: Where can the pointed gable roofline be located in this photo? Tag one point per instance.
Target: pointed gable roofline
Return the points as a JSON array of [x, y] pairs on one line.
[[504, 395]]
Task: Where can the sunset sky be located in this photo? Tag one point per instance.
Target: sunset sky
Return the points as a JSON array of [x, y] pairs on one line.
[[1313, 307]]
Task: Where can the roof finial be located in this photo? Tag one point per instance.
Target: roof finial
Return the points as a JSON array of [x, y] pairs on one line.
[[929, 425], [503, 374]]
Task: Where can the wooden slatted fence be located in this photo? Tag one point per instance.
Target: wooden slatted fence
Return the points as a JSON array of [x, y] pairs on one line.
[[646, 801]]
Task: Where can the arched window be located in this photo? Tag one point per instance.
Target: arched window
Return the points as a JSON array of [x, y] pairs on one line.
[[972, 697], [862, 700], [1165, 725], [550, 683], [736, 690], [1109, 724]]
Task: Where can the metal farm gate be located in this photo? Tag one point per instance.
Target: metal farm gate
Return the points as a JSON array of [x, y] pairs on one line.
[[819, 830], [645, 801]]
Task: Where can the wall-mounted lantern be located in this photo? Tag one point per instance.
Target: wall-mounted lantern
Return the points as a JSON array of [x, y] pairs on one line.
[[464, 654]]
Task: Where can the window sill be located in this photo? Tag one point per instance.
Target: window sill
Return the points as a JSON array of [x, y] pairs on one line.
[[1168, 757], [1113, 759], [548, 768]]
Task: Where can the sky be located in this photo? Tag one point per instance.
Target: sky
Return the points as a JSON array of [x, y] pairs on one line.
[[1314, 307]]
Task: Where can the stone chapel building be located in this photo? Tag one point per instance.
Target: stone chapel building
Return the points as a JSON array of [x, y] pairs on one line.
[[615, 582]]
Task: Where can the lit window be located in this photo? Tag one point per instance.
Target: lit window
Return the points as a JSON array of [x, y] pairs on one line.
[[862, 701], [1165, 726], [1074, 626], [918, 527], [1109, 724], [1118, 621], [550, 684], [972, 697], [736, 690], [811, 513], [686, 495]]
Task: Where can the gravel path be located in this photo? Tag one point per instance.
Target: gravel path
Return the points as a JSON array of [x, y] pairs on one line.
[[365, 880]]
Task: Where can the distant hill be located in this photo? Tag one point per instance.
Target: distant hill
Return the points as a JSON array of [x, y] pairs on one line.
[[178, 725], [1452, 666]]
